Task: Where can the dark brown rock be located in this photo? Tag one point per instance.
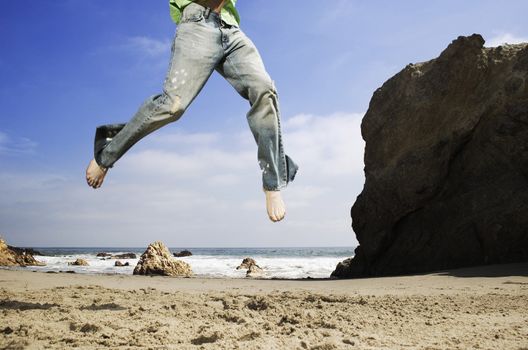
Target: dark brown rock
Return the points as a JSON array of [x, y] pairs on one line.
[[26, 251], [16, 257], [125, 256], [103, 254], [446, 164], [157, 260], [182, 254], [118, 263]]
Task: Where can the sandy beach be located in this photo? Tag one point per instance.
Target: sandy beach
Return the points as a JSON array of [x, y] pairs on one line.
[[474, 308]]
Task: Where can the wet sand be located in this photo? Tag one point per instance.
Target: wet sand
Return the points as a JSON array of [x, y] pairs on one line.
[[474, 308]]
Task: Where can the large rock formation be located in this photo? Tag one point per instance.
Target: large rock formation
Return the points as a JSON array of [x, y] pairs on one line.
[[446, 164], [157, 260], [16, 257]]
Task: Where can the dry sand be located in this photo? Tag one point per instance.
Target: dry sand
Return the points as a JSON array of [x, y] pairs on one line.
[[477, 308]]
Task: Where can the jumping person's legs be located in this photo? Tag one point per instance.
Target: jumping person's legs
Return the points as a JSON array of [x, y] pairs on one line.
[[242, 66], [200, 46], [195, 53]]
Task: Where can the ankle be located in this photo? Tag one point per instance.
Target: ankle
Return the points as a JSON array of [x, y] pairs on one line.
[[270, 191], [103, 169]]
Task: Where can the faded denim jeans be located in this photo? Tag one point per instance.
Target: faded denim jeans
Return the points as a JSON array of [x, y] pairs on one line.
[[202, 45]]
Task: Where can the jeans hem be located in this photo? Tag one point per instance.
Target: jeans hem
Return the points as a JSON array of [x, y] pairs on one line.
[[277, 188]]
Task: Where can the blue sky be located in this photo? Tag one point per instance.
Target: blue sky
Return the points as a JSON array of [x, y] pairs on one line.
[[69, 65]]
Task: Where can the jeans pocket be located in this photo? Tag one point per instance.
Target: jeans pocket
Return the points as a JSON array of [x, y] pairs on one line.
[[193, 15]]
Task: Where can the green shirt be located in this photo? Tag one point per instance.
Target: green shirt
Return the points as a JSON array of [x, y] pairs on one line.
[[228, 14]]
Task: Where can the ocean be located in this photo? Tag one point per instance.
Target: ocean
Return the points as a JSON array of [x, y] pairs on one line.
[[316, 262]]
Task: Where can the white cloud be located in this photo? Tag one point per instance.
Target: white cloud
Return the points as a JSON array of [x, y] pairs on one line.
[[146, 46], [181, 138], [138, 54], [505, 38], [326, 146], [196, 189], [10, 145]]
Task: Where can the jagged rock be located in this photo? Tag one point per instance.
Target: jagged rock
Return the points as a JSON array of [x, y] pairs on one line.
[[16, 257], [118, 263], [183, 253], [253, 270], [79, 262], [446, 164], [30, 251], [125, 256], [157, 260], [246, 263]]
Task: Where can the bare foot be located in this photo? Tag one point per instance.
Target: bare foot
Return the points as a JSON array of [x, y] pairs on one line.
[[275, 205], [95, 174]]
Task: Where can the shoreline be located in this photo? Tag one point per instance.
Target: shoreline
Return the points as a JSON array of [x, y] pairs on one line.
[[519, 269], [213, 262], [480, 307], [459, 279]]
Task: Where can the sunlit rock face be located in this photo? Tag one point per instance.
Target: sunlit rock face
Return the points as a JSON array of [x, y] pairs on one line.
[[13, 256], [157, 260]]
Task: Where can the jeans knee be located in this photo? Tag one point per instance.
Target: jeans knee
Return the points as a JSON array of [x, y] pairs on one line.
[[169, 108], [175, 107], [261, 90]]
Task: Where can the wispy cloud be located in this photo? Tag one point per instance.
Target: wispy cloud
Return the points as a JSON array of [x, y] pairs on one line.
[[139, 48], [506, 38], [13, 145], [149, 47]]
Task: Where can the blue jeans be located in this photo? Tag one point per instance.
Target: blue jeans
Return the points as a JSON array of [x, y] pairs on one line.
[[202, 45]]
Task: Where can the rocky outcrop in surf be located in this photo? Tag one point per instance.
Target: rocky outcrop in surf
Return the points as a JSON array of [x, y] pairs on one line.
[[117, 256], [79, 262], [157, 260], [183, 254], [253, 270], [446, 164], [13, 256]]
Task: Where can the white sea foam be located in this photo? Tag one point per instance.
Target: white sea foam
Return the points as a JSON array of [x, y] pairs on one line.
[[205, 265]]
